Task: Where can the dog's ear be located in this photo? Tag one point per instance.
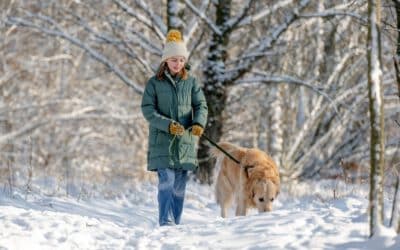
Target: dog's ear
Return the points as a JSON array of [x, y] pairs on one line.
[[278, 190], [248, 170], [240, 154]]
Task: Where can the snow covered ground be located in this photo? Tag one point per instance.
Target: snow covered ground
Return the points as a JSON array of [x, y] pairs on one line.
[[318, 215]]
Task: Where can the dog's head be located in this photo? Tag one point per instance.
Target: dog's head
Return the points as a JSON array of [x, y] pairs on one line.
[[263, 194], [263, 182]]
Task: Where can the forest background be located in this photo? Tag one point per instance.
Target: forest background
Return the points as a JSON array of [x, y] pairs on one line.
[[289, 77]]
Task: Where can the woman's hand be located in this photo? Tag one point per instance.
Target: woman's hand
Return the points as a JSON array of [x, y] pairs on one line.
[[197, 130], [176, 129]]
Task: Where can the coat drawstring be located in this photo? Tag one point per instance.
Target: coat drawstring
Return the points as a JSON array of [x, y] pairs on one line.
[[170, 153]]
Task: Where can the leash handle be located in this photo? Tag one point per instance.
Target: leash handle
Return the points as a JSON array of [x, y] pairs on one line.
[[222, 150]]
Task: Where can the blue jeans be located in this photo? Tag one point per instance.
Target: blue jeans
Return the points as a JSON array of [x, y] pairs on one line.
[[171, 194]]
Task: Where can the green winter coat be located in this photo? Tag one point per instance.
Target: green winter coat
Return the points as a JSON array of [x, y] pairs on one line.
[[163, 102]]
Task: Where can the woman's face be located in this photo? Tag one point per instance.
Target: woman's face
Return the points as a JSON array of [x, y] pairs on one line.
[[175, 64]]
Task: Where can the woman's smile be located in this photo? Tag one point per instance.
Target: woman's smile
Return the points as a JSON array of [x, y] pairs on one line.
[[176, 64]]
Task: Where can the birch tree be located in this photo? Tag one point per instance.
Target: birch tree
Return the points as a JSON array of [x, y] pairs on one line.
[[396, 58], [375, 95], [395, 217]]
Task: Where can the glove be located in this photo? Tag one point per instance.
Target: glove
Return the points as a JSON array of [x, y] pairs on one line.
[[176, 129], [197, 130]]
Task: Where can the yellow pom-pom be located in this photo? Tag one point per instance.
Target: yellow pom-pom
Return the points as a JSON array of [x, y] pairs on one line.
[[174, 36]]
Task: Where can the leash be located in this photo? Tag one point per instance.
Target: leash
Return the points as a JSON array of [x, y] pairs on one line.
[[222, 150]]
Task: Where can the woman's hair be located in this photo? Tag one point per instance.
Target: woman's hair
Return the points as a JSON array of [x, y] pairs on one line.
[[163, 66]]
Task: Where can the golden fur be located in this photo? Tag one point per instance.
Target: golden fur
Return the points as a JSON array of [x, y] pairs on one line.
[[254, 183]]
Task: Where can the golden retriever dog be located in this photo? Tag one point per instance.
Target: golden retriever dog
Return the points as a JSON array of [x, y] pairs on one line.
[[254, 183]]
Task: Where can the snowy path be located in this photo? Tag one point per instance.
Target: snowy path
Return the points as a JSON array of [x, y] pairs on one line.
[[130, 222]]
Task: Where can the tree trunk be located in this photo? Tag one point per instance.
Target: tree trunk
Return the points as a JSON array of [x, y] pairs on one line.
[[174, 15], [396, 201], [375, 94], [9, 159], [216, 100], [277, 125], [397, 57], [395, 207], [214, 89]]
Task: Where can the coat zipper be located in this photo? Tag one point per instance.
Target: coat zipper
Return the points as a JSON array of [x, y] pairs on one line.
[[174, 85]]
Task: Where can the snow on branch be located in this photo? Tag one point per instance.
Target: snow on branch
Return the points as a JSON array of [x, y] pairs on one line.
[[160, 30], [154, 18], [83, 114], [263, 13], [319, 111], [328, 141], [27, 106], [142, 40], [264, 78], [251, 55], [58, 32], [330, 13], [194, 24], [230, 24], [265, 44], [203, 17], [340, 10], [120, 44]]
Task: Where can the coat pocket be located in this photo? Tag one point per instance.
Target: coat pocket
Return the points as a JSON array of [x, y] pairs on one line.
[[163, 138], [188, 148], [153, 133]]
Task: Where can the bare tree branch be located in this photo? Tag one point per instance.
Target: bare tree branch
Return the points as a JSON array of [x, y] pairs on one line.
[[154, 18], [233, 22], [138, 38], [260, 15], [265, 78], [120, 44], [160, 30], [194, 24], [332, 13], [58, 32], [264, 45], [76, 115], [203, 17]]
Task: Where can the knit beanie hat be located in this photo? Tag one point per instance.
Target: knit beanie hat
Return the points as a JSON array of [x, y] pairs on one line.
[[174, 46]]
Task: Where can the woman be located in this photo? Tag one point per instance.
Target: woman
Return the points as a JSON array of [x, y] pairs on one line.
[[175, 107]]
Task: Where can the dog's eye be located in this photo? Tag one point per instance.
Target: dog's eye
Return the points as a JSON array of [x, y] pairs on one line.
[[272, 199], [261, 199]]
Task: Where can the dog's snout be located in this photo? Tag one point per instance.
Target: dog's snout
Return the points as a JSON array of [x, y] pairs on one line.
[[265, 209]]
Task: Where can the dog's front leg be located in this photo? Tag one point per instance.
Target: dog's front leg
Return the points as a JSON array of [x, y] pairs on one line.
[[224, 211], [241, 208]]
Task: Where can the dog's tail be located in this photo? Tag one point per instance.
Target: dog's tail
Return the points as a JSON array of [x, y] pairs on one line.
[[219, 155]]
